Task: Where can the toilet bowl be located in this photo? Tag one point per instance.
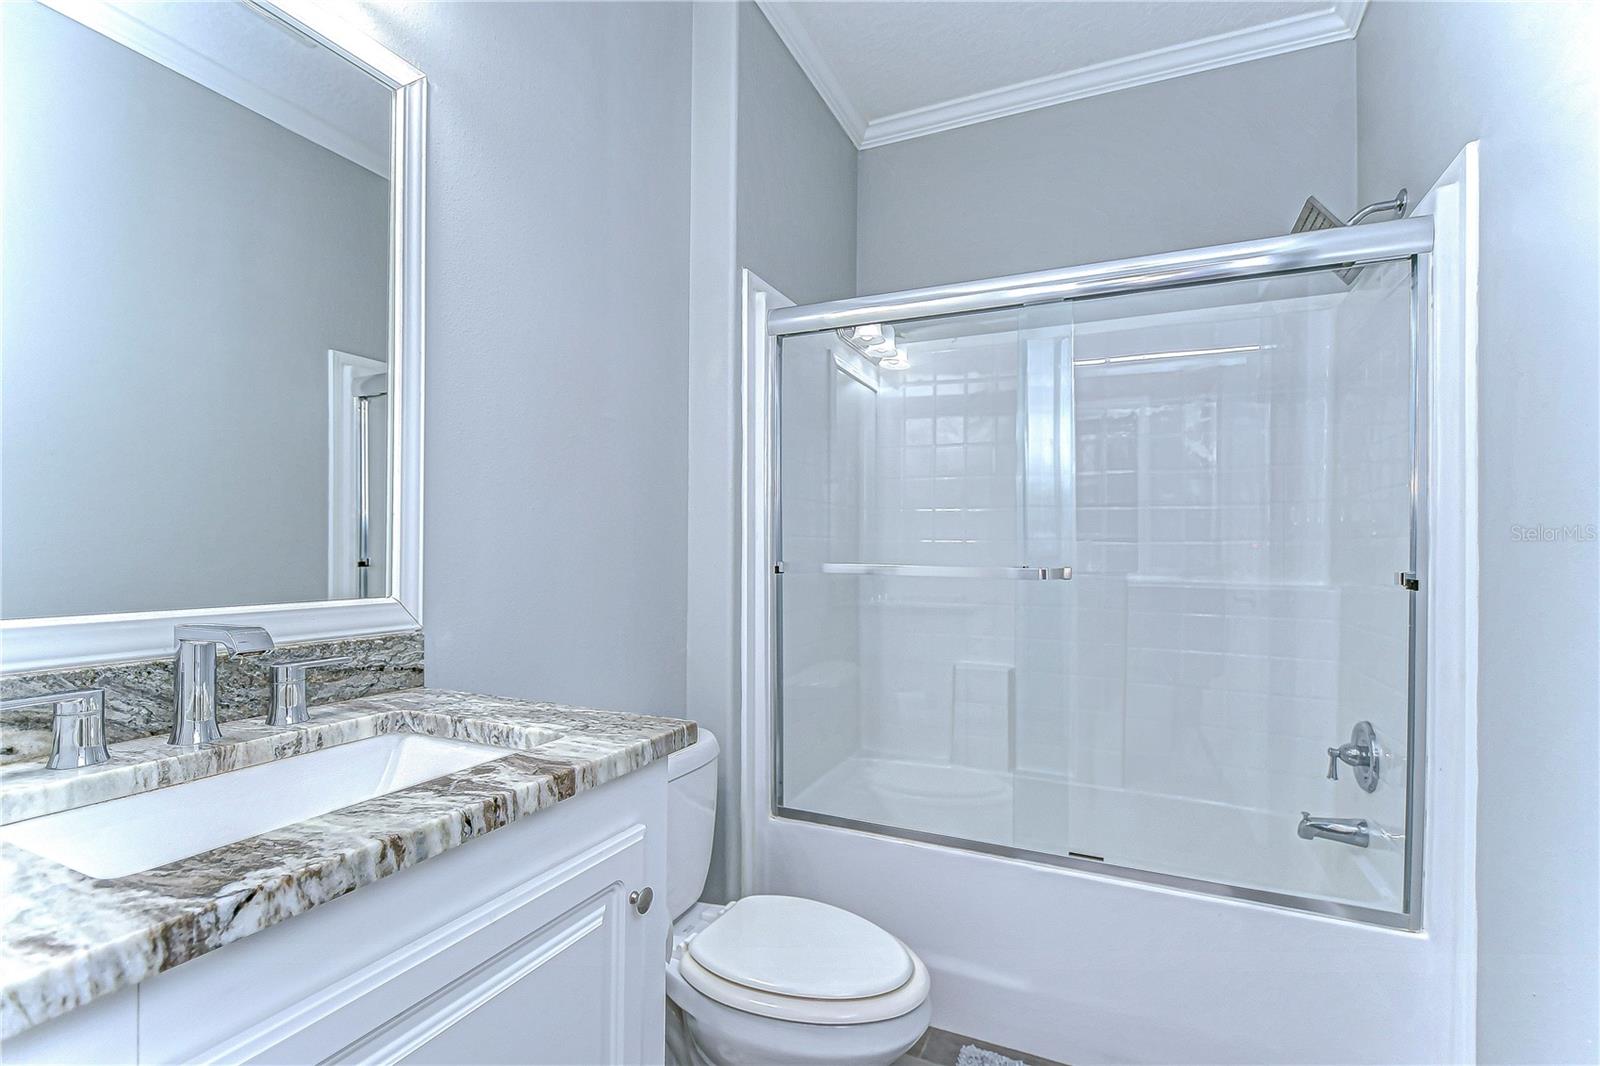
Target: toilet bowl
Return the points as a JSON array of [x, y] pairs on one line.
[[774, 979]]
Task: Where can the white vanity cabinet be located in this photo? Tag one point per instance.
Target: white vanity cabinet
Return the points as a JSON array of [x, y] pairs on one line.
[[520, 947]]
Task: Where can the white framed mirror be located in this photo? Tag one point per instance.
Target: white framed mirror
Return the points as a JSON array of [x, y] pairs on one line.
[[213, 332]]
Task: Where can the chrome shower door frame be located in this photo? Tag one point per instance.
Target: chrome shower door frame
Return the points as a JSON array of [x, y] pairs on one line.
[[1408, 239]]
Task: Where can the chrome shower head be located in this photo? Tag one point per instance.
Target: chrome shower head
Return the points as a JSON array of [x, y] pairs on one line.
[[1316, 216]]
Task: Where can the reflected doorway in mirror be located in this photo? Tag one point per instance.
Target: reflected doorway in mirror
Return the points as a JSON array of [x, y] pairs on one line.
[[358, 476]]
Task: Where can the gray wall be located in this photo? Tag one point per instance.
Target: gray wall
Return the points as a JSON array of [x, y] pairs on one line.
[[1521, 77], [774, 188], [176, 269], [797, 174], [1220, 156], [557, 345], [560, 496], [795, 226], [712, 678]]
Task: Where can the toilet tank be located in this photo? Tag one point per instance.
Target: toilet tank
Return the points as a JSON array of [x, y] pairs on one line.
[[691, 820]]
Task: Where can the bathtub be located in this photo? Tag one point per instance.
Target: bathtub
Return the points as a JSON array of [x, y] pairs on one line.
[[1131, 829]]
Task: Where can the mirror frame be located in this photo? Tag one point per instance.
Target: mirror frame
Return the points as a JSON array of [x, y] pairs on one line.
[[30, 644]]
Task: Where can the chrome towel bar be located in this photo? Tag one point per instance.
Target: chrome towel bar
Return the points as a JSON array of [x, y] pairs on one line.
[[991, 573]]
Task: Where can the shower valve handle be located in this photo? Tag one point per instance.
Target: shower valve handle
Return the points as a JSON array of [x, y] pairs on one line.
[[1361, 753], [1350, 754]]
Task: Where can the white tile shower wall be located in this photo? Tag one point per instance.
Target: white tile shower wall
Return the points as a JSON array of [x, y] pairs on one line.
[[827, 446], [1159, 663], [1237, 515], [944, 492], [1229, 516], [1056, 652], [1371, 496], [1202, 513], [983, 716]]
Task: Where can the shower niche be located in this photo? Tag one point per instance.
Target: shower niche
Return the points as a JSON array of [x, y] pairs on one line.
[[1100, 582]]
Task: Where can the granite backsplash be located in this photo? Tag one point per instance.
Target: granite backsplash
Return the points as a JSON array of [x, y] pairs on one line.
[[139, 694]]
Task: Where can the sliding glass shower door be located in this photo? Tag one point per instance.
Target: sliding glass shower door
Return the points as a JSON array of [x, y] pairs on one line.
[[1112, 583]]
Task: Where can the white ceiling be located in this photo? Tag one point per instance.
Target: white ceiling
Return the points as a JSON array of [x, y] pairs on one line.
[[895, 70]]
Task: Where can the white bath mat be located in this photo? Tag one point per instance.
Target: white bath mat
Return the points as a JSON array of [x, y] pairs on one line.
[[973, 1055]]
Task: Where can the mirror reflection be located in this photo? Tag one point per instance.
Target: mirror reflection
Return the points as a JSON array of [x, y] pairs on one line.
[[196, 292]]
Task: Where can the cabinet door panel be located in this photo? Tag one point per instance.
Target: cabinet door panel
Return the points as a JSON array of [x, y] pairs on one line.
[[546, 973], [567, 977]]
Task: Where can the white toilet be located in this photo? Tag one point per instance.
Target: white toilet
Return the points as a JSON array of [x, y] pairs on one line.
[[774, 979]]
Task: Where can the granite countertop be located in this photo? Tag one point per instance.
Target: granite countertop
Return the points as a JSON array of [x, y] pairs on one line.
[[69, 939]]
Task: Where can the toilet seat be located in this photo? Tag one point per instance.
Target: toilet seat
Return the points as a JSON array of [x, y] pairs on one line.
[[902, 1000], [801, 947], [799, 960]]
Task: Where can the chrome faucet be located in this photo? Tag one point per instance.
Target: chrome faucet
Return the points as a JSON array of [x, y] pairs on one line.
[[194, 686], [1353, 831], [77, 726]]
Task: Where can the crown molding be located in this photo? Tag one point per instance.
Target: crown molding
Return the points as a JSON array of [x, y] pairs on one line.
[[1350, 12], [805, 52], [1338, 21]]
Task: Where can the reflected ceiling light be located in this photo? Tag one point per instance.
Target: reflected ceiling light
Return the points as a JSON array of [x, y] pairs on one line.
[[1181, 353]]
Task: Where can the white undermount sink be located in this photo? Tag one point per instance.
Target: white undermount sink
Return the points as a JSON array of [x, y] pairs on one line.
[[124, 836]]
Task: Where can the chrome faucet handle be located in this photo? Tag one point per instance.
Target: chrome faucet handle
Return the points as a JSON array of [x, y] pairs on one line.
[[194, 683], [289, 689], [1361, 754], [77, 728], [1349, 754]]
